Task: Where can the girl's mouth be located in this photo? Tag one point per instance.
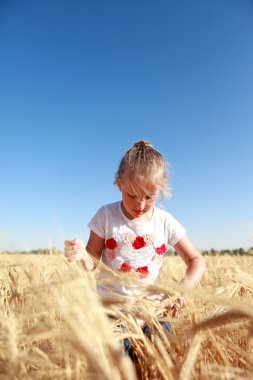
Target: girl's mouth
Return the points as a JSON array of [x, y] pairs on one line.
[[138, 211]]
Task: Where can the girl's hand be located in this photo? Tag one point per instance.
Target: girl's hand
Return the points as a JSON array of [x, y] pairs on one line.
[[175, 306], [74, 250]]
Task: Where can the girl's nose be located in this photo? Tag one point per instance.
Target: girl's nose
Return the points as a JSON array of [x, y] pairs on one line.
[[141, 204]]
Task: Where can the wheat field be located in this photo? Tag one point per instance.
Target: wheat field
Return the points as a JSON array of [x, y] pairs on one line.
[[55, 326]]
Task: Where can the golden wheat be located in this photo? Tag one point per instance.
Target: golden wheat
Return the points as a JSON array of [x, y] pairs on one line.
[[53, 324]]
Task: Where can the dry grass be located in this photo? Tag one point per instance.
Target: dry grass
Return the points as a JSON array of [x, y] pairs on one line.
[[53, 325]]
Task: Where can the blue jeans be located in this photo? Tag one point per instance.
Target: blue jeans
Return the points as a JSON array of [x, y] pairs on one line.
[[128, 347]]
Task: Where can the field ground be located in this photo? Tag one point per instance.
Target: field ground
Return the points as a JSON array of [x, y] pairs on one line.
[[54, 325]]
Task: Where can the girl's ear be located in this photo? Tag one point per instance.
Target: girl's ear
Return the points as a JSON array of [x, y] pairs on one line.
[[118, 183]]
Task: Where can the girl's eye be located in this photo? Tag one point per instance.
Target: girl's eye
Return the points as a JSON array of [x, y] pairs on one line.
[[131, 196], [151, 197]]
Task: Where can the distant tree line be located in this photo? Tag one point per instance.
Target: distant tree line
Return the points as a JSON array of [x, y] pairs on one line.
[[211, 252], [222, 252], [46, 251], [231, 252]]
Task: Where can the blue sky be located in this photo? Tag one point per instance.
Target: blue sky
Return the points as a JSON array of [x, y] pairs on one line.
[[81, 81]]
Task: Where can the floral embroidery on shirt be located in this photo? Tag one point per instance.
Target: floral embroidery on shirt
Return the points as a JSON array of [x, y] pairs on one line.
[[125, 267], [139, 242], [128, 252], [143, 270], [149, 239], [128, 238], [161, 250], [111, 243]]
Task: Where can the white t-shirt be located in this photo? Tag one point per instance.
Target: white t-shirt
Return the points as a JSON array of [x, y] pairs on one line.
[[133, 246]]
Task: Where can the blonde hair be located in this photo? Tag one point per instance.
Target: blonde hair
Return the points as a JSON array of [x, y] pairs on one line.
[[143, 165]]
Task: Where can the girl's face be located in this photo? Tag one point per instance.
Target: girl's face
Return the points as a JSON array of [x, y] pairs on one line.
[[136, 203]]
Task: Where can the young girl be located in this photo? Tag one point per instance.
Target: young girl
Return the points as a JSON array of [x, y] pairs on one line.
[[132, 235]]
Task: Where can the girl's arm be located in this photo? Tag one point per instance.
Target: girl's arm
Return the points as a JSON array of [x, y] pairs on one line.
[[196, 267], [193, 259], [95, 246], [76, 251]]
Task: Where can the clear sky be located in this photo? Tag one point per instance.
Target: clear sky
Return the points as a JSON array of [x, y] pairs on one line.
[[81, 81]]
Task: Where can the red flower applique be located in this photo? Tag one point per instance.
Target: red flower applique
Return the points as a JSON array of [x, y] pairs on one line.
[[139, 242], [161, 250], [143, 270], [125, 268], [111, 243]]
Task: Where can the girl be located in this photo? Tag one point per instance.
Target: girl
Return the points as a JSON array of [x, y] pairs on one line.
[[132, 235]]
